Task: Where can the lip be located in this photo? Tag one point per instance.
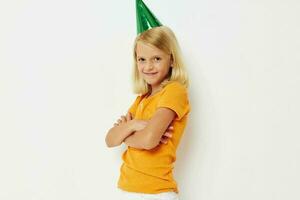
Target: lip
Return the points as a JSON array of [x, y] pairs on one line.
[[150, 74]]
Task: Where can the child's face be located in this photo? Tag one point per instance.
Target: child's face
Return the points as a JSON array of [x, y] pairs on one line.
[[153, 64]]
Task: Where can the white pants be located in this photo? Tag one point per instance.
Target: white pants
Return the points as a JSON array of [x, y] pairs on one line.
[[142, 196]]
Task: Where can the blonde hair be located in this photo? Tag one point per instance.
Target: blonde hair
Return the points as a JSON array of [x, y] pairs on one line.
[[164, 39]]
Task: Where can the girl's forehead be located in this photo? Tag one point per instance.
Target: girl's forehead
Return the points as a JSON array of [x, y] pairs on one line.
[[148, 49]]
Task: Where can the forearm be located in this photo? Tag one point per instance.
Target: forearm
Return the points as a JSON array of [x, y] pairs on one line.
[[117, 134], [140, 140]]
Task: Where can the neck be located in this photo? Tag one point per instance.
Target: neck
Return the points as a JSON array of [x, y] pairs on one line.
[[155, 90]]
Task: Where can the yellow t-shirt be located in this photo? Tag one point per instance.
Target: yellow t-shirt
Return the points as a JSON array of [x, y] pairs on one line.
[[151, 171]]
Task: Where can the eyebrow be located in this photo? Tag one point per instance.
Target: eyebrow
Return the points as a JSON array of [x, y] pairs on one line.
[[151, 57]]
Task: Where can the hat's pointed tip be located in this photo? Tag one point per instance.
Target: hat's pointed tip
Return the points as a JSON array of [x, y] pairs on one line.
[[145, 18]]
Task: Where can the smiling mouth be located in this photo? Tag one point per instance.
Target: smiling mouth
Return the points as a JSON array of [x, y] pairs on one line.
[[150, 74]]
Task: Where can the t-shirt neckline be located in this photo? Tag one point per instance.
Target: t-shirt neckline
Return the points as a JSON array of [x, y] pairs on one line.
[[149, 97]]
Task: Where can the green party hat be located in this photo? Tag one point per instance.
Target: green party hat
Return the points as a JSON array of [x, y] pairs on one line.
[[145, 19]]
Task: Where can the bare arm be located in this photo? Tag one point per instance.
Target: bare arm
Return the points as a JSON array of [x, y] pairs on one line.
[[117, 134], [137, 140], [150, 136], [135, 134]]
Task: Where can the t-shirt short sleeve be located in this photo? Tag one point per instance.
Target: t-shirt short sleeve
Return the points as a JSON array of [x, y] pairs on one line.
[[175, 97], [133, 107]]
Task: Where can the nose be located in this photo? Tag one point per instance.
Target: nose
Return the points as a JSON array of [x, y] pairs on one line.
[[149, 66]]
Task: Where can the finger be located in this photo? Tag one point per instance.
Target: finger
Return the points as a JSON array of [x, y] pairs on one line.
[[168, 134], [123, 118], [170, 129], [128, 116], [119, 120], [164, 141]]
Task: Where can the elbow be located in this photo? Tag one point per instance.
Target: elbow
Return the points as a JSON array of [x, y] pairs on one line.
[[109, 141], [110, 144]]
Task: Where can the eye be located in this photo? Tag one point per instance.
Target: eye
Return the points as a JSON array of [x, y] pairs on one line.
[[141, 59], [157, 58]]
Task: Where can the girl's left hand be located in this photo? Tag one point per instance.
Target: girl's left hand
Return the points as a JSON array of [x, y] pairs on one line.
[[123, 119]]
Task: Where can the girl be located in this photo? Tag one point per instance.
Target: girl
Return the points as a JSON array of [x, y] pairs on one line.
[[160, 78], [162, 106]]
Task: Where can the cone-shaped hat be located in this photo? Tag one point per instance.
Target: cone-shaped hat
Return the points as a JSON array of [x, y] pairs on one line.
[[144, 17]]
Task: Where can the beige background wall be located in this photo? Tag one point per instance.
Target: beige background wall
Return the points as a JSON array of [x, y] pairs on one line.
[[65, 79]]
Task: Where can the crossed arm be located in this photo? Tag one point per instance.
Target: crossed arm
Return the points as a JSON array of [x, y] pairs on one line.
[[146, 138]]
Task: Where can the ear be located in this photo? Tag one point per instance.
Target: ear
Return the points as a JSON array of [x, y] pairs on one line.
[[171, 61]]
